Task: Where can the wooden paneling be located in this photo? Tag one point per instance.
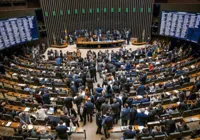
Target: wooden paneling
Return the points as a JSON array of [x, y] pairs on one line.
[[136, 21]]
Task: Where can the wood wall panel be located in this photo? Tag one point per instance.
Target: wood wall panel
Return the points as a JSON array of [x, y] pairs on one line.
[[136, 21]]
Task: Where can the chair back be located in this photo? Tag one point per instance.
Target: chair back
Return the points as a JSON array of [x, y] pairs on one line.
[[17, 138], [174, 135], [186, 133], [159, 137], [187, 113], [146, 138]]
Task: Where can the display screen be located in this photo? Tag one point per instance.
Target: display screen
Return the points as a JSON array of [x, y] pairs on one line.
[[181, 25], [15, 31]]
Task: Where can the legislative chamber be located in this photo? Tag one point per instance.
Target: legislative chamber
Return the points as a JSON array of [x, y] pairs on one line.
[[99, 70]]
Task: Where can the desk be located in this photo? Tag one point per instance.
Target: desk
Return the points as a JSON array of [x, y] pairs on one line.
[[14, 125], [118, 129], [192, 118], [100, 43], [17, 95], [17, 108]]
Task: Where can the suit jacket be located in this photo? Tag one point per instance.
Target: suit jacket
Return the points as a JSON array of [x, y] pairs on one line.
[[125, 114], [89, 82], [128, 134], [170, 126], [89, 107], [46, 98], [115, 107], [105, 108], [141, 118], [68, 102], [141, 90], [61, 129]]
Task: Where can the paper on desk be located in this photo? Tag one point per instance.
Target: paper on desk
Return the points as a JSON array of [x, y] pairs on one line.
[[27, 109], [138, 110], [146, 112], [192, 66], [69, 129], [14, 74], [34, 87], [195, 119], [22, 85], [9, 123], [140, 127], [139, 96], [75, 97], [168, 93], [52, 98], [176, 91]]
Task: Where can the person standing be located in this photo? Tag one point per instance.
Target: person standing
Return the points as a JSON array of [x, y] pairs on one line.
[[98, 122], [125, 115]]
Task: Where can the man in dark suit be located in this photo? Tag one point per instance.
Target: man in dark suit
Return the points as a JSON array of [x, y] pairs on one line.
[[107, 124], [61, 130], [116, 110], [170, 125], [73, 89], [89, 83], [141, 118], [105, 107], [129, 134], [99, 101], [141, 89], [68, 104], [98, 122], [46, 98], [125, 115], [93, 73], [89, 109]]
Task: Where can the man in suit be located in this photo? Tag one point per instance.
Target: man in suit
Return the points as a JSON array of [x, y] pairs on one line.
[[125, 115], [73, 89], [133, 113], [105, 107], [98, 122], [115, 107], [141, 89], [107, 124], [46, 98], [68, 104], [99, 101], [89, 109], [89, 83], [93, 73], [141, 118], [61, 130], [129, 134], [170, 125]]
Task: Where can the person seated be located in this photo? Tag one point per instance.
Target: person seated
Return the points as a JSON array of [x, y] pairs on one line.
[[25, 118], [156, 132], [144, 133], [129, 134], [41, 113], [61, 130], [182, 127]]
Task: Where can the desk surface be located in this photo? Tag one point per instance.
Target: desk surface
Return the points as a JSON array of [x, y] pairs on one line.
[[100, 42], [118, 129], [14, 125], [16, 108], [192, 118]]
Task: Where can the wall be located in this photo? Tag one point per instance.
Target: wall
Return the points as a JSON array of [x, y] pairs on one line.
[[17, 13], [57, 18], [180, 7]]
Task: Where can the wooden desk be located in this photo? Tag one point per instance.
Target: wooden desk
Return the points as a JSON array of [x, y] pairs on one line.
[[192, 118], [118, 129], [14, 125], [100, 43], [16, 108], [17, 95]]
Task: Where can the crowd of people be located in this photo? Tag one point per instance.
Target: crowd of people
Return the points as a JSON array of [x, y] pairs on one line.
[[121, 72]]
